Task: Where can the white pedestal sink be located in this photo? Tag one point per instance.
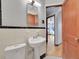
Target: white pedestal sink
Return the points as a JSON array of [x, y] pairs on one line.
[[36, 43]]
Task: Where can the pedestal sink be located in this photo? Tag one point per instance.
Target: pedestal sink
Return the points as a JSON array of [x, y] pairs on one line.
[[36, 43]]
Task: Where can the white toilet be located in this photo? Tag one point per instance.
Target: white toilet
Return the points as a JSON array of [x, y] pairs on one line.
[[15, 51]]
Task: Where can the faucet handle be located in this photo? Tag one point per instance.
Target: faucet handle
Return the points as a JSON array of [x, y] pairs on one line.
[[35, 36]]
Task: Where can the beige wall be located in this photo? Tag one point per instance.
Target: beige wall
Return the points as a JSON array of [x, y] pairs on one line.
[[14, 36]]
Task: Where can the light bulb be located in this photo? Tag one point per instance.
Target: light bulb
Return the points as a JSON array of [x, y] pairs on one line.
[[29, 1], [37, 4]]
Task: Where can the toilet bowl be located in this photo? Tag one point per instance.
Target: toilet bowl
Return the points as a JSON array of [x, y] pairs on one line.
[[15, 51]]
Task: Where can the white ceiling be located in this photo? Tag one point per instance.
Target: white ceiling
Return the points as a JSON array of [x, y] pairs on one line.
[[49, 2], [54, 2]]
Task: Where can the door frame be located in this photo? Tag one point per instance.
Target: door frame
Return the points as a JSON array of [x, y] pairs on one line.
[[60, 5], [47, 27]]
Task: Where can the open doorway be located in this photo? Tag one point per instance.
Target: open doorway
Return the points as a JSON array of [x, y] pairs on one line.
[[50, 30], [54, 31]]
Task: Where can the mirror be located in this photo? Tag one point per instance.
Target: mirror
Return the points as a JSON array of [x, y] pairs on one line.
[[32, 16], [19, 13]]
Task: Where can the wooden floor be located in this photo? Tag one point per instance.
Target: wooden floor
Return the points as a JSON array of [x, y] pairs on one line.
[[54, 50]]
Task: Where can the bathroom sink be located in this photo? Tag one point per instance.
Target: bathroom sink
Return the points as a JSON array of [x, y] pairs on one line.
[[36, 42]]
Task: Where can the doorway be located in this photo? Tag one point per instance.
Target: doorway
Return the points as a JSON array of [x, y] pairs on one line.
[[54, 31], [50, 29], [50, 32]]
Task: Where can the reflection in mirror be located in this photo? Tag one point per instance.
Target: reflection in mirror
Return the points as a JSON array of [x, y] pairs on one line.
[[32, 16], [22, 13], [32, 20]]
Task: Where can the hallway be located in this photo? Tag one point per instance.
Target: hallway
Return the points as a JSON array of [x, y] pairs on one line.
[[53, 50]]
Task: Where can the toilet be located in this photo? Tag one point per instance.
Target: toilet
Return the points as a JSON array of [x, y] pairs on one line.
[[15, 51]]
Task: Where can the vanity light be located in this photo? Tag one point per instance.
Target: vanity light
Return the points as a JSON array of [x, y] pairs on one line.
[[34, 3], [29, 1], [37, 4]]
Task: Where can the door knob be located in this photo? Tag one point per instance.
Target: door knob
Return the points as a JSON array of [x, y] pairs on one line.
[[77, 39]]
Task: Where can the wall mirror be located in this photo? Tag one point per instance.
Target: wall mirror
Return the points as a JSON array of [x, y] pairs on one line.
[[20, 13], [32, 15]]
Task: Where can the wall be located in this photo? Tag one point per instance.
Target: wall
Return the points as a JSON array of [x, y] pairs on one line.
[[15, 36], [50, 11], [13, 13], [58, 28], [42, 13]]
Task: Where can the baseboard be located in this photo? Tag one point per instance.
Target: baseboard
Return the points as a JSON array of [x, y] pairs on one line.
[[42, 56]]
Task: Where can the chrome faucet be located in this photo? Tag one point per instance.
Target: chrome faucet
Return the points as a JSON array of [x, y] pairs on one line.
[[36, 35]]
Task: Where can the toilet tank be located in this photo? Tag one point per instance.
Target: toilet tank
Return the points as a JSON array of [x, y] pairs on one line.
[[15, 51]]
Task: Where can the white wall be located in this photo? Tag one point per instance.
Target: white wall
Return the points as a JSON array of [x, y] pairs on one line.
[[15, 36], [13, 13], [58, 27], [42, 13]]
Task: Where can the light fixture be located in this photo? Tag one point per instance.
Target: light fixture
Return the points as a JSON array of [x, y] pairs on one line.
[[28, 1], [34, 3], [37, 4]]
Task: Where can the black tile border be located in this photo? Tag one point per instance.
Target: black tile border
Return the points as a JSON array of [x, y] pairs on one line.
[[17, 27], [42, 56]]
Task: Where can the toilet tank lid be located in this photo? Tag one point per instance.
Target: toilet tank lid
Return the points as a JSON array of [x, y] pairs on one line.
[[17, 46]]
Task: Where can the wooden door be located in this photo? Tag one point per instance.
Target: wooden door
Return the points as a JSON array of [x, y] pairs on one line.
[[71, 29]]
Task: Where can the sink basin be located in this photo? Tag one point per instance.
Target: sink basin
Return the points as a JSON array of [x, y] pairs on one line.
[[35, 42]]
